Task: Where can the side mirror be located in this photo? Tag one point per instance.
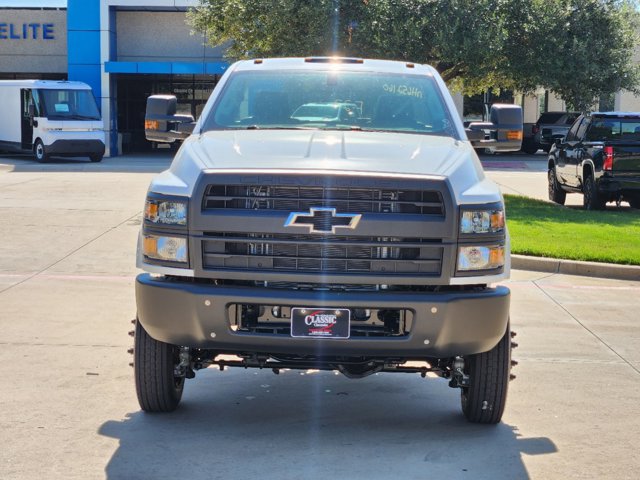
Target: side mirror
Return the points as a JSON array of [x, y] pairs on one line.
[[161, 124], [503, 133]]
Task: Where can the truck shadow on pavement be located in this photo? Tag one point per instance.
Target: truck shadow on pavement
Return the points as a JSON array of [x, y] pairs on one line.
[[253, 424]]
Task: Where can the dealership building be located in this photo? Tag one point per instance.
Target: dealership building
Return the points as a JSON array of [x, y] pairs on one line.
[[125, 50]]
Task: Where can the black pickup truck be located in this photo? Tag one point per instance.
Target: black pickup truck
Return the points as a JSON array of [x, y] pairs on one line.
[[600, 158]]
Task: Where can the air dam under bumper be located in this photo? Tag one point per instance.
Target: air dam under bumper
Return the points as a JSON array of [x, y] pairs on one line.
[[76, 148], [196, 315]]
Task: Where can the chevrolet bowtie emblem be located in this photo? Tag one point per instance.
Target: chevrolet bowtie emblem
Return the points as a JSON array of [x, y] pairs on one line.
[[323, 220]]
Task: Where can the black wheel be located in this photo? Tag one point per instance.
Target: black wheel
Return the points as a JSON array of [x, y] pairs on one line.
[[158, 389], [96, 158], [556, 193], [530, 149], [591, 198], [484, 400], [40, 153]]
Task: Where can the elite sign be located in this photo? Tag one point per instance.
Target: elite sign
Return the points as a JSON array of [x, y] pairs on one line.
[[27, 31]]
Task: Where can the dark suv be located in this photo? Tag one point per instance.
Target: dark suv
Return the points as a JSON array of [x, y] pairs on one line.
[[548, 127]]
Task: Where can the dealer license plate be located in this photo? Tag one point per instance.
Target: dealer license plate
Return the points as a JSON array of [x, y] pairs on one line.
[[320, 322]]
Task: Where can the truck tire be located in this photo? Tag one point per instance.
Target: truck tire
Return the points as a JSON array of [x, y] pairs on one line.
[[591, 197], [40, 153], [95, 158], [556, 193], [157, 388], [530, 149], [484, 400]]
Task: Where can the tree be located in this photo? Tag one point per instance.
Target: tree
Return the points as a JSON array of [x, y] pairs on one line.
[[580, 49], [265, 28]]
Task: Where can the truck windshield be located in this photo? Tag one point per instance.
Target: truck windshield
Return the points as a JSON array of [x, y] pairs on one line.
[[68, 104], [331, 100]]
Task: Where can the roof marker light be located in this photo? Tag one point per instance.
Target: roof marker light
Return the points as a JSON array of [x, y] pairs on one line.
[[333, 60]]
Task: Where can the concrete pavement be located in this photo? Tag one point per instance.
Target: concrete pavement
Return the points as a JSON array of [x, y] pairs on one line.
[[69, 408], [521, 174]]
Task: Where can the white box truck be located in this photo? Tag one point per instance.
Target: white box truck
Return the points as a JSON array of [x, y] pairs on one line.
[[50, 118]]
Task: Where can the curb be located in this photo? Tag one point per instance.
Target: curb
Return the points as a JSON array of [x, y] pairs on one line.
[[573, 267]]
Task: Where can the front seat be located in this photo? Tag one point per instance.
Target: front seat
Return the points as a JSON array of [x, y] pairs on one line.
[[394, 111], [271, 108]]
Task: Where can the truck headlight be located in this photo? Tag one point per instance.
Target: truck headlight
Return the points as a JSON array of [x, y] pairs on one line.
[[480, 257], [165, 212], [165, 248], [482, 221]]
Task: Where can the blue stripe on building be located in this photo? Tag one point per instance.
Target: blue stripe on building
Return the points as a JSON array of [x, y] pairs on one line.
[[83, 38], [130, 79]]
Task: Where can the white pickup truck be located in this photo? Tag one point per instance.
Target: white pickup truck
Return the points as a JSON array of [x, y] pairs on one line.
[[326, 213]]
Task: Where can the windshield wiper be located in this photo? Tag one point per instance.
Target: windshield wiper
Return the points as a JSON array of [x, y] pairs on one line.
[[83, 117], [352, 128], [72, 117], [256, 127]]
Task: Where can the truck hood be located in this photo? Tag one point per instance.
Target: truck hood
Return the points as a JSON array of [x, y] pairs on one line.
[[378, 152], [330, 151]]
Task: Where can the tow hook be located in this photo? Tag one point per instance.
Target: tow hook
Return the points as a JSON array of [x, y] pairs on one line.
[[458, 377], [183, 369]]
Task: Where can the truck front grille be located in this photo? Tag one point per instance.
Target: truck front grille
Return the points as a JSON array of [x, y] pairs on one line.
[[274, 228], [343, 199], [324, 287], [308, 253]]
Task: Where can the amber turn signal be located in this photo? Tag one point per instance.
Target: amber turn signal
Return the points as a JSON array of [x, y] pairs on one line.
[[514, 134]]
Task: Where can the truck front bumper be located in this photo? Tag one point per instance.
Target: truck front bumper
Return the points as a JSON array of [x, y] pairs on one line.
[[75, 148], [444, 324]]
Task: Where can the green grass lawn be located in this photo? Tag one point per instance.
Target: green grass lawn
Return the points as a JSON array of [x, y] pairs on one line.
[[544, 229]]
